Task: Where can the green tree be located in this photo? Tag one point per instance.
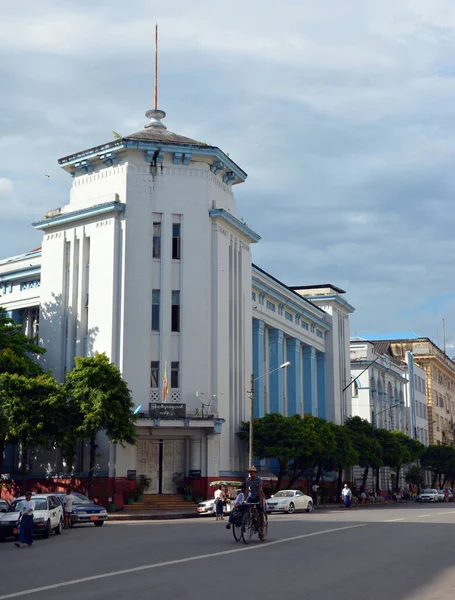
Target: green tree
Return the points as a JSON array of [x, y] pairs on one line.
[[345, 455], [367, 447], [17, 352], [415, 476], [316, 442], [29, 405], [438, 459], [17, 356], [103, 403], [276, 436]]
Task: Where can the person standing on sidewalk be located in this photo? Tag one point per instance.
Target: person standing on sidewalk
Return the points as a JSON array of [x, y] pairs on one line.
[[26, 521], [219, 497], [347, 496], [68, 502]]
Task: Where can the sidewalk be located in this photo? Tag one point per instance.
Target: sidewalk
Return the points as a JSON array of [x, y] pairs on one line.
[[161, 515]]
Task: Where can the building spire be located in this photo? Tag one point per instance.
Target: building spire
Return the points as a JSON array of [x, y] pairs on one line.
[[156, 69], [156, 115]]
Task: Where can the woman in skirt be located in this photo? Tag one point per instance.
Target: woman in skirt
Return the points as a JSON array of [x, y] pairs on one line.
[[26, 522]]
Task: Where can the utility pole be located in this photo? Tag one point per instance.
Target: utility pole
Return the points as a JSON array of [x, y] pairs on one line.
[[250, 443]]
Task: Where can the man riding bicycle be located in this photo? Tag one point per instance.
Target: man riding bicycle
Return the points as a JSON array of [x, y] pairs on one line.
[[254, 494]]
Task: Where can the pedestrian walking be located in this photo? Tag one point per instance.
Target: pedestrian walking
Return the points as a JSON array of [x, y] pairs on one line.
[[347, 496], [26, 521], [68, 502], [219, 499]]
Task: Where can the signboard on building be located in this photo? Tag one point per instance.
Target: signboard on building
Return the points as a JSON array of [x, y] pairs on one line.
[[131, 474], [165, 411], [194, 474]]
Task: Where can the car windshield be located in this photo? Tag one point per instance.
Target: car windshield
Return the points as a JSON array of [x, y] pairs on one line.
[[428, 492], [40, 504], [284, 495], [81, 499]]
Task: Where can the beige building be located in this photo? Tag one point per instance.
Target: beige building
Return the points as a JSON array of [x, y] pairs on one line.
[[440, 385]]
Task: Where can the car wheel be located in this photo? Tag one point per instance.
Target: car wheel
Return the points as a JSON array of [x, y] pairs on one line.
[[59, 528], [309, 507], [98, 523], [47, 532], [291, 509]]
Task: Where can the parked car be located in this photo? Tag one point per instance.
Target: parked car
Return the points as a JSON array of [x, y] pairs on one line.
[[429, 495], [48, 516], [442, 498], [4, 506], [85, 511], [289, 501], [208, 508]]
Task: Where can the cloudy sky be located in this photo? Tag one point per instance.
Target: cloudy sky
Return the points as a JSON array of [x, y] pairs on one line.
[[341, 112]]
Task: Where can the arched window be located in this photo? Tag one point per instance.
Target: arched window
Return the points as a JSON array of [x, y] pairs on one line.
[[355, 388]]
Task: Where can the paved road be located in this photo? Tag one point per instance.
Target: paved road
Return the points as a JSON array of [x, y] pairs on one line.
[[394, 553]]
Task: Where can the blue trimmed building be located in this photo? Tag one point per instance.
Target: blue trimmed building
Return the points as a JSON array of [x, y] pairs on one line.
[[150, 263]]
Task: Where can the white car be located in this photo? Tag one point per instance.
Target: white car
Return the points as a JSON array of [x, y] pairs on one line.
[[428, 496], [48, 516], [208, 508], [289, 501]]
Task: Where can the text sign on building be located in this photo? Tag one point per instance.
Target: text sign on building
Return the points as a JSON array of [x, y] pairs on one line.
[[162, 410]]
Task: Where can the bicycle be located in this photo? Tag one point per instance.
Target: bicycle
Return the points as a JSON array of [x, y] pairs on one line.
[[251, 524]]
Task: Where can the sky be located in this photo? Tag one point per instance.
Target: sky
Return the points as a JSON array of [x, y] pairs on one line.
[[341, 112]]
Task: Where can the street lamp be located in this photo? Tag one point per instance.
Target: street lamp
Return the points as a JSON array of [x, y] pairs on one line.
[[251, 393]]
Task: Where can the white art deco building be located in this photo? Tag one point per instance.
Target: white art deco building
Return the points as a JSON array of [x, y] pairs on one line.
[[150, 263]]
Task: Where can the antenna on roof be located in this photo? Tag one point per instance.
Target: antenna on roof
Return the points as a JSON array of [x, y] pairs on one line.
[[156, 115], [155, 87]]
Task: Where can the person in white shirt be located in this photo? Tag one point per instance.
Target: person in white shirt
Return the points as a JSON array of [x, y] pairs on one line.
[[347, 495], [68, 502], [219, 497], [27, 508]]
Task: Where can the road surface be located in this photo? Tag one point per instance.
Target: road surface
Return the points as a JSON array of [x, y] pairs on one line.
[[405, 552]]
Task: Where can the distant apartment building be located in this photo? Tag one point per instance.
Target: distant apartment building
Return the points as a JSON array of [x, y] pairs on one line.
[[388, 391], [440, 385]]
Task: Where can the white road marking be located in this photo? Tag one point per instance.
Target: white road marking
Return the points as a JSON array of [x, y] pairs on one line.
[[393, 520], [447, 512], [54, 586], [423, 516]]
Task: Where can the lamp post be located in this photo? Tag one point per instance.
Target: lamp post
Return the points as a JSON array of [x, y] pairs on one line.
[[251, 393]]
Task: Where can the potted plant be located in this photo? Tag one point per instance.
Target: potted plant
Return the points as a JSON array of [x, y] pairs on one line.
[[188, 492], [177, 480], [142, 485], [198, 496]]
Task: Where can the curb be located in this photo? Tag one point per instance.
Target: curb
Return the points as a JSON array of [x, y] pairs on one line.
[[164, 517]]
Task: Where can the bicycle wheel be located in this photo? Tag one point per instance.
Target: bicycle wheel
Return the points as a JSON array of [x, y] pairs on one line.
[[266, 526], [237, 532], [247, 528]]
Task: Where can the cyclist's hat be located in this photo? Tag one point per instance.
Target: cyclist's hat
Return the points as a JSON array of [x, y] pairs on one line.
[[252, 469]]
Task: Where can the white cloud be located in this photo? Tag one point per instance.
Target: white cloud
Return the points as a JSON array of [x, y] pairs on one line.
[[6, 186], [339, 112]]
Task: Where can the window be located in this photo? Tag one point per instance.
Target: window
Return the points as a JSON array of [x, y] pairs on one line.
[[176, 241], [280, 309], [156, 310], [175, 374], [175, 317], [253, 296], [288, 316], [154, 374], [261, 298], [305, 325], [271, 306], [319, 333], [156, 240]]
